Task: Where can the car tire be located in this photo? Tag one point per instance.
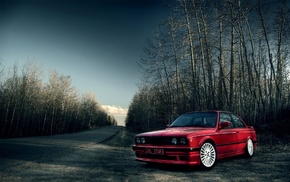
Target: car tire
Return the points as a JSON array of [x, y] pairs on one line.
[[250, 148], [208, 155]]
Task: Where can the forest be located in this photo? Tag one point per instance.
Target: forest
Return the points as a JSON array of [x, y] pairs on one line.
[[30, 107], [216, 55]]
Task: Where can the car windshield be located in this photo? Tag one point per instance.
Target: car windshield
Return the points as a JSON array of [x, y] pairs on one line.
[[198, 119]]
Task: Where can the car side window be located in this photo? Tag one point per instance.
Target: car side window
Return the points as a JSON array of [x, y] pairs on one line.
[[237, 121], [226, 117]]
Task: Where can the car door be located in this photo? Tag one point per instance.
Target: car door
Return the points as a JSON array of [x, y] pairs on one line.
[[242, 133], [228, 136]]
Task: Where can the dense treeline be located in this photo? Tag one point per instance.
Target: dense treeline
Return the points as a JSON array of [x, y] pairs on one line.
[[29, 107], [216, 54]]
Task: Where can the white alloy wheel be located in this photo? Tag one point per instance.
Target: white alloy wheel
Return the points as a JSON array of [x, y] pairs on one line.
[[207, 155], [250, 148]]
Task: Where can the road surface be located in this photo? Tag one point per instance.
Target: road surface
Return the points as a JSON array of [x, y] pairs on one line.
[[89, 156]]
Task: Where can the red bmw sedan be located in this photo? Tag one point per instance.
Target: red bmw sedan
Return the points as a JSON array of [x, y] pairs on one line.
[[197, 138]]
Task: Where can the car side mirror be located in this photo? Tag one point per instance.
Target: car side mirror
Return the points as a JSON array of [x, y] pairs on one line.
[[224, 124]]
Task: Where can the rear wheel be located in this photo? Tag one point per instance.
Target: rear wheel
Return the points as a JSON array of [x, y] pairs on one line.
[[207, 155], [250, 148]]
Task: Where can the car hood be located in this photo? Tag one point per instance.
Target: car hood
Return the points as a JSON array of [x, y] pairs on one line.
[[180, 131]]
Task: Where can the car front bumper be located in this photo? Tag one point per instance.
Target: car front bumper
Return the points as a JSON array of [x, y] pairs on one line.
[[167, 155]]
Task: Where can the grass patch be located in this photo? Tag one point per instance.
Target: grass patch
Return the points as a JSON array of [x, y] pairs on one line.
[[125, 138], [270, 142], [274, 137]]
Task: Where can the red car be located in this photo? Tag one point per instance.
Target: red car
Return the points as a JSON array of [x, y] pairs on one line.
[[197, 138]]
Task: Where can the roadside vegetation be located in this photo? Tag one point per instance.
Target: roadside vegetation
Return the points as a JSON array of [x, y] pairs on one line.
[[124, 138], [218, 55], [274, 137], [30, 107]]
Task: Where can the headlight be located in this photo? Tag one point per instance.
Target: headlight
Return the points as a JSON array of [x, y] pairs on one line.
[[137, 140], [183, 141], [142, 140], [174, 141]]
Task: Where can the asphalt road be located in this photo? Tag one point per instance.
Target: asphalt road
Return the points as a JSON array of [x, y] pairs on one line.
[[86, 156], [52, 158]]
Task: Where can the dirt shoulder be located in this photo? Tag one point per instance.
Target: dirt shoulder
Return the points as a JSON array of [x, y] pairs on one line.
[[81, 158]]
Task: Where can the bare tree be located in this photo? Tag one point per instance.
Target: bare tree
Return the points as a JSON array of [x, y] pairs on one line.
[[221, 54], [28, 107]]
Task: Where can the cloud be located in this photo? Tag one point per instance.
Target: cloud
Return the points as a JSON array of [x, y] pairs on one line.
[[115, 110], [118, 112]]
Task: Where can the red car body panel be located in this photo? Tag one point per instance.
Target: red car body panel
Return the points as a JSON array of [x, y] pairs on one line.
[[227, 141]]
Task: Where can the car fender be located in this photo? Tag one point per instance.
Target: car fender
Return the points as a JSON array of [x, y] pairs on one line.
[[204, 139]]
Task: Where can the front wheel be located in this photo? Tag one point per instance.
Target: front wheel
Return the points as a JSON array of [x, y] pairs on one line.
[[208, 155], [250, 148]]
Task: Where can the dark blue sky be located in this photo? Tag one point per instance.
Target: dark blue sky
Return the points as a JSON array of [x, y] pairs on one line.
[[96, 42]]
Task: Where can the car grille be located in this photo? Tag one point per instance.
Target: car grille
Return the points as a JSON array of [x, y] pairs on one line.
[[158, 140]]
